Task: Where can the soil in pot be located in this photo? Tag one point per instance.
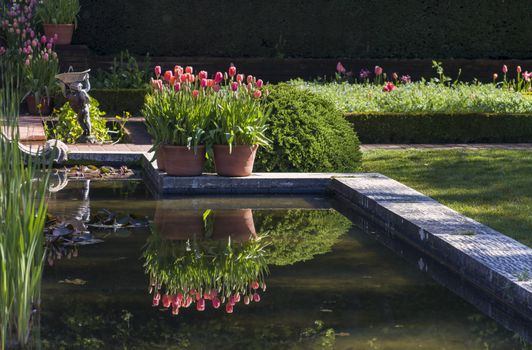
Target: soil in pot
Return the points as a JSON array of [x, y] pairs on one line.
[[182, 161], [64, 32], [43, 107], [237, 163]]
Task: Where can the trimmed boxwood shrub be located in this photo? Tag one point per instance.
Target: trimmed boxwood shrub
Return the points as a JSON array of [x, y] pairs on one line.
[[441, 128], [308, 134], [118, 101]]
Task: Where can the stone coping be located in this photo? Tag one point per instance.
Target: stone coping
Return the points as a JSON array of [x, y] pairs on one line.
[[484, 257]]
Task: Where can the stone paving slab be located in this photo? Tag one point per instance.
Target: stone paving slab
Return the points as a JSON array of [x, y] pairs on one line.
[[485, 257]]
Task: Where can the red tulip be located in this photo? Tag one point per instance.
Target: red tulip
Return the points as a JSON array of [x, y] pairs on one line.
[[210, 83], [240, 77], [229, 308], [203, 83], [216, 88], [389, 87], [203, 74], [178, 70], [218, 77], [195, 93], [189, 69], [191, 78], [237, 297], [167, 301], [167, 75], [232, 71], [234, 86], [158, 71], [216, 302], [175, 310], [183, 78], [257, 94], [255, 285], [256, 297]]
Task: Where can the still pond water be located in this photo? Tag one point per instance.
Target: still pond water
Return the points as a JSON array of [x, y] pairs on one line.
[[323, 283]]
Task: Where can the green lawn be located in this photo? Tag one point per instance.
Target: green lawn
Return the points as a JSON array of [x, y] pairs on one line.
[[492, 187]]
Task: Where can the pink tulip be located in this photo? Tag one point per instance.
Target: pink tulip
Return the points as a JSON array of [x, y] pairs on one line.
[[260, 83], [237, 298], [45, 57], [257, 94], [216, 303], [256, 297], [216, 88], [43, 39], [167, 301], [505, 69], [246, 299], [188, 301], [218, 77], [191, 78], [200, 305], [158, 71], [210, 83], [249, 79], [519, 69], [178, 70], [229, 308], [378, 70], [195, 93], [240, 78], [175, 310], [255, 285], [177, 87], [183, 78], [234, 86], [203, 83], [527, 76], [189, 69], [340, 68], [168, 75], [388, 87], [203, 74], [232, 71]]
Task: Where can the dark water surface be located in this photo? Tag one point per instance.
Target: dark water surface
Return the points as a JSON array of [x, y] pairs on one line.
[[330, 285]]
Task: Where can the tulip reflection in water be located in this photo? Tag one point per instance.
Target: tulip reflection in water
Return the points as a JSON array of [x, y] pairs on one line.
[[191, 264]]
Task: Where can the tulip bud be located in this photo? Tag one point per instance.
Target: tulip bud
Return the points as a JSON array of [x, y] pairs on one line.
[[340, 68], [505, 69], [495, 76], [246, 299], [255, 285], [519, 70], [395, 76], [158, 71]]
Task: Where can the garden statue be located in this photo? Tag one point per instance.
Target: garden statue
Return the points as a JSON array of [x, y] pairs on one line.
[[75, 87]]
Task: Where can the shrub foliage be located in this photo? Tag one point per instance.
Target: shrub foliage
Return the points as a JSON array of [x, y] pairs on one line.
[[308, 134]]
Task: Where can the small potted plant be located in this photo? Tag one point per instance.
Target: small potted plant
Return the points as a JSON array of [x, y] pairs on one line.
[[239, 125], [59, 17], [177, 112], [40, 67]]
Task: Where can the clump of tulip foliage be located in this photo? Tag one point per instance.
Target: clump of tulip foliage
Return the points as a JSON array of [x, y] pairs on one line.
[[183, 273], [521, 83], [188, 109]]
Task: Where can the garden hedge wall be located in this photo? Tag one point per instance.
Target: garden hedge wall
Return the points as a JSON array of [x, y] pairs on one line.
[[441, 128], [309, 28]]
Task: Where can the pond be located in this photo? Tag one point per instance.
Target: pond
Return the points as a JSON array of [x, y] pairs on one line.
[[242, 272]]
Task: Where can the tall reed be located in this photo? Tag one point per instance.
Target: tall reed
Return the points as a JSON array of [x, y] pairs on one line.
[[23, 186]]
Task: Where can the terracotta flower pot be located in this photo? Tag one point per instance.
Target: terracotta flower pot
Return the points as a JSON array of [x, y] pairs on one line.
[[160, 159], [64, 32], [178, 225], [237, 163], [43, 107], [181, 161], [237, 223]]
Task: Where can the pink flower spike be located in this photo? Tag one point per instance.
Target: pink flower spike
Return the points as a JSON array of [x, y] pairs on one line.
[[45, 57], [340, 68]]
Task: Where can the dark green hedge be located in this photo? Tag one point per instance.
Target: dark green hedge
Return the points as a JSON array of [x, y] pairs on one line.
[[309, 28], [308, 134], [441, 128], [119, 101]]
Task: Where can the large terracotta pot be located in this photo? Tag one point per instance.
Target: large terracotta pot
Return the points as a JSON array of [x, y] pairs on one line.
[[237, 223], [237, 163], [64, 32], [181, 161], [46, 105], [160, 159], [178, 225]]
